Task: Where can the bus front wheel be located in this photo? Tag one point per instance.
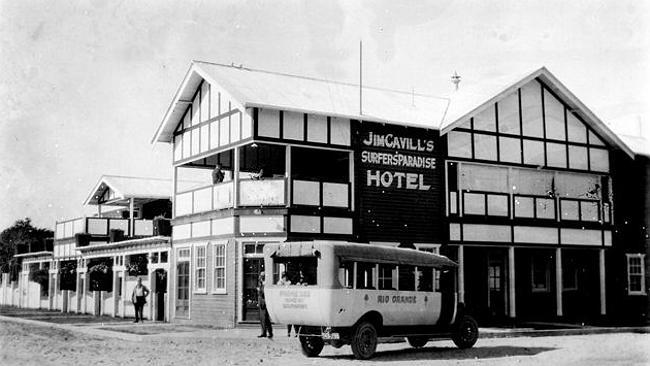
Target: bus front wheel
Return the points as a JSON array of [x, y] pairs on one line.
[[364, 341], [311, 345], [466, 332]]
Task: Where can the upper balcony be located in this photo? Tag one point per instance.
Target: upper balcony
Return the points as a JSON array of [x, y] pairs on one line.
[[265, 176], [100, 227], [40, 246], [264, 193]]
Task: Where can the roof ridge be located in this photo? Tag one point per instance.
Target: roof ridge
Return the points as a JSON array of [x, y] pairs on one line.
[[133, 177], [313, 78]]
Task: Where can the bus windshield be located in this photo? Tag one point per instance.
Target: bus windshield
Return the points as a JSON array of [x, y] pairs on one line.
[[295, 271]]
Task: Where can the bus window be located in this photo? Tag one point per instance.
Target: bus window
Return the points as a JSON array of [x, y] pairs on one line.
[[387, 276], [425, 279], [278, 270], [346, 274], [365, 273], [406, 278], [300, 270], [436, 280]]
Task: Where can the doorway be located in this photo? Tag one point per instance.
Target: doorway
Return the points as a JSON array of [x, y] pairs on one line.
[[496, 286], [486, 283], [252, 269], [161, 290], [182, 290]]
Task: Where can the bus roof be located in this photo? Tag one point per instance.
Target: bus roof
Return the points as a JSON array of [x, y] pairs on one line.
[[360, 252]]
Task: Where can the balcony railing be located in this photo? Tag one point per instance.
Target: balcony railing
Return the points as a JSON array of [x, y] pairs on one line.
[[35, 246], [214, 197], [267, 192], [322, 194], [102, 226], [519, 206]]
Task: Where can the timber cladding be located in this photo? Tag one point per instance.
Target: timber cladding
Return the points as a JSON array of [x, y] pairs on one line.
[[399, 179], [216, 309]]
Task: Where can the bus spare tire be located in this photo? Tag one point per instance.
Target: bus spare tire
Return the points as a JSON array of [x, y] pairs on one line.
[[466, 332], [311, 345], [364, 341]]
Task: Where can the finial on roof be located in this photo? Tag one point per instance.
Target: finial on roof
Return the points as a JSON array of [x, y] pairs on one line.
[[455, 79]]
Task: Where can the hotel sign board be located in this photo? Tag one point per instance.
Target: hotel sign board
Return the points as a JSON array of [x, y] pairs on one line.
[[399, 183]]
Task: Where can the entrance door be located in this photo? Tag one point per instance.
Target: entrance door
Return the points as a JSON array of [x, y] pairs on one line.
[[161, 289], [182, 289], [252, 269], [496, 288]]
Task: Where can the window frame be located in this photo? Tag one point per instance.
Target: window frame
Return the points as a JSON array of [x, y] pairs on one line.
[[547, 276], [570, 270], [641, 258], [214, 267], [195, 281]]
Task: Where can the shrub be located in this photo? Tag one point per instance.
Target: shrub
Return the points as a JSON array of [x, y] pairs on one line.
[[42, 277], [101, 277], [68, 275]]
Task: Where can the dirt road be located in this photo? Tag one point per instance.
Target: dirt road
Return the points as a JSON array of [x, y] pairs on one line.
[[26, 344]]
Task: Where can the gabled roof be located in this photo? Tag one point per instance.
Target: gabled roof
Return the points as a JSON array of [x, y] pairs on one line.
[[130, 187], [259, 88], [474, 99]]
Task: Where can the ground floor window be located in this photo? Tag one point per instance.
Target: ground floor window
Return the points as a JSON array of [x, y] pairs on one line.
[[570, 276], [199, 269], [219, 274], [540, 274], [635, 274]]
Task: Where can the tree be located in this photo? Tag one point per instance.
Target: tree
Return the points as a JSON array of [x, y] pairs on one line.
[[21, 233]]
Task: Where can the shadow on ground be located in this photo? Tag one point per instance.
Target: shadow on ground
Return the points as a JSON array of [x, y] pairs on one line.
[[58, 317], [450, 353]]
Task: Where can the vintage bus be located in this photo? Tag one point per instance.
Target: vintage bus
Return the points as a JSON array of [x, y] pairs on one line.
[[344, 293]]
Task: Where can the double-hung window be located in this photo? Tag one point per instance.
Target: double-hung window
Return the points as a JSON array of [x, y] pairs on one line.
[[199, 269], [636, 274], [219, 273]]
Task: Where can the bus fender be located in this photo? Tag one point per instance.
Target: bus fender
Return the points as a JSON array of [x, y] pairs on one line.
[[373, 317]]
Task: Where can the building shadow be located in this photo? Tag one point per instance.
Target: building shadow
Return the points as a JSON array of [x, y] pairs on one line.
[[450, 353]]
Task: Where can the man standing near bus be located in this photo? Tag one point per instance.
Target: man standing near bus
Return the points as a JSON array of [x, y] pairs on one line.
[[265, 320]]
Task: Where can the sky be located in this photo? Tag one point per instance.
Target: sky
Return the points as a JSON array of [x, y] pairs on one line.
[[84, 84]]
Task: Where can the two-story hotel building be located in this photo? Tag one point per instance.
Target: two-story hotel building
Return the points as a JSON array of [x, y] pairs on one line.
[[512, 178]]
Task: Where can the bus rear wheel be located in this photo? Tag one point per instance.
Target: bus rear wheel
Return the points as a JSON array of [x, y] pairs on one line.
[[364, 341], [311, 345], [417, 342], [466, 332]]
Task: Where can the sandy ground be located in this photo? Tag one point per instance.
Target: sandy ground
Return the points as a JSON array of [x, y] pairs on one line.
[[26, 344]]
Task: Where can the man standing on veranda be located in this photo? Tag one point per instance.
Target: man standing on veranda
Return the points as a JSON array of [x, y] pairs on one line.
[[139, 298]]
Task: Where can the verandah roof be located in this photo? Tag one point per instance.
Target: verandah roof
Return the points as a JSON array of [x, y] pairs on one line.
[[129, 187]]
